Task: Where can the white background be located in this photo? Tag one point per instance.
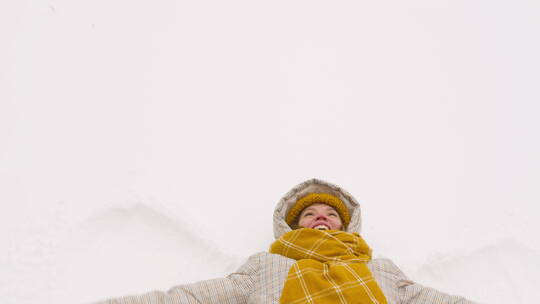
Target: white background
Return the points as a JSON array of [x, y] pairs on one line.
[[144, 144]]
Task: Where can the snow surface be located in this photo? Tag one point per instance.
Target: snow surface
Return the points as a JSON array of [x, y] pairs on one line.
[[145, 144]]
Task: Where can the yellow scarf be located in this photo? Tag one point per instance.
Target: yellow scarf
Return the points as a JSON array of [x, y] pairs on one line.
[[330, 268]]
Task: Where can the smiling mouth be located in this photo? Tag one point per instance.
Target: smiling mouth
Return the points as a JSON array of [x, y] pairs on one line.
[[321, 227]]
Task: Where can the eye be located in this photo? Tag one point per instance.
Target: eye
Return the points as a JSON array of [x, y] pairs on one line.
[[308, 213], [332, 214]]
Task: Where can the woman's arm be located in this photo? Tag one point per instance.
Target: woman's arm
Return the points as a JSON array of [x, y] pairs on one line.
[[413, 293], [404, 291], [234, 288]]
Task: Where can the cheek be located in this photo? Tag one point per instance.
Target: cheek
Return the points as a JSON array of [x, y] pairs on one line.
[[303, 221], [337, 223]]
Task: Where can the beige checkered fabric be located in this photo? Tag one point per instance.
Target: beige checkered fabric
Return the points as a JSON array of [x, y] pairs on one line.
[[260, 280]]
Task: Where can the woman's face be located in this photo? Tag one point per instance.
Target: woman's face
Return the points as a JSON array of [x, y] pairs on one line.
[[320, 216]]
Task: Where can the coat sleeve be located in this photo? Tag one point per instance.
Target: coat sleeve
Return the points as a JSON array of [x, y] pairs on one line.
[[413, 293], [233, 289]]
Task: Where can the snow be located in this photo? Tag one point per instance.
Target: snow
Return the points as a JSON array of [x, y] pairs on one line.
[[144, 145]]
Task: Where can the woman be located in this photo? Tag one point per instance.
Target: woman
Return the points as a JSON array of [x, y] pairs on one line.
[[318, 257]]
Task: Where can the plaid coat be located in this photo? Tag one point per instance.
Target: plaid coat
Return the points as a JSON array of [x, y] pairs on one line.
[[262, 277]]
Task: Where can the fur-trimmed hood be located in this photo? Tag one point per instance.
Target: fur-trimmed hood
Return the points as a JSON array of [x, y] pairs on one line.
[[314, 186]]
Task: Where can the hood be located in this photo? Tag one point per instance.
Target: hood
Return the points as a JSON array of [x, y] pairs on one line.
[[314, 186]]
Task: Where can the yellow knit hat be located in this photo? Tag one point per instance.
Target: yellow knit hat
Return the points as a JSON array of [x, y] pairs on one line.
[[323, 198]]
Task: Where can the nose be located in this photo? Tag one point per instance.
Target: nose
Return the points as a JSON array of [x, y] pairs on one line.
[[321, 217]]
